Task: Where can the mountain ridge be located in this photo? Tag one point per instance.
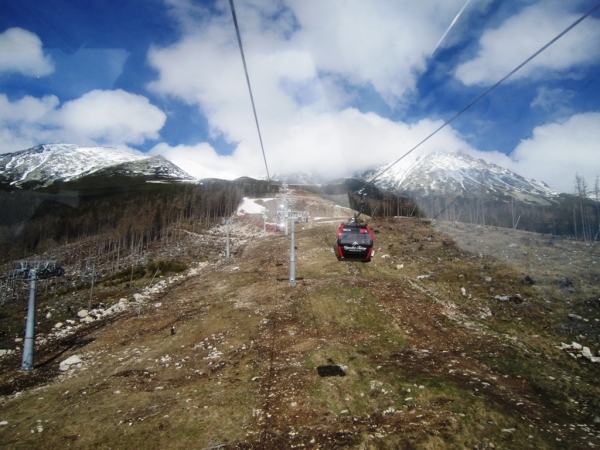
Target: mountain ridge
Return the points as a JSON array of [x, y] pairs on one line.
[[440, 173], [420, 175], [45, 164]]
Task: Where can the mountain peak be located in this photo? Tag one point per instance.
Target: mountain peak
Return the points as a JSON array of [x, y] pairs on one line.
[[457, 173], [151, 166], [46, 163]]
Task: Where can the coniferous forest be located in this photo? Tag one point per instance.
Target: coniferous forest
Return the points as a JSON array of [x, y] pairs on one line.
[[126, 214]]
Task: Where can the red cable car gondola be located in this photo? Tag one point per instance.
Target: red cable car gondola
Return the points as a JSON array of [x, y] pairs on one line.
[[354, 243]]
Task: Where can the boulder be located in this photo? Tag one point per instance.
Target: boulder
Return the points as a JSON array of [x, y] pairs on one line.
[[576, 350], [138, 297], [96, 313], [82, 313], [67, 363], [75, 359], [58, 325], [121, 306]]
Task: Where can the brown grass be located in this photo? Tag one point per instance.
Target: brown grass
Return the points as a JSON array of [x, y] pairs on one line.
[[425, 367]]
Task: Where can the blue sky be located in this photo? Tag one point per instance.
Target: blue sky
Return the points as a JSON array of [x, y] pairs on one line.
[[340, 86]]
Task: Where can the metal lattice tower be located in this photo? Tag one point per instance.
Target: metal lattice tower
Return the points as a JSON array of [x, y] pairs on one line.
[[227, 222]]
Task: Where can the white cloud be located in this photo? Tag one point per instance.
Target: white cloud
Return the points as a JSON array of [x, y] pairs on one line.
[[341, 143], [382, 44], [301, 65], [308, 60], [552, 99], [504, 48], [27, 109], [329, 144], [201, 160], [112, 118], [557, 151], [21, 52], [379, 44], [24, 123]]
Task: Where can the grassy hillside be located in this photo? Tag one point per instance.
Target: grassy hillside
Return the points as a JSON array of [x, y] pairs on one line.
[[385, 355]]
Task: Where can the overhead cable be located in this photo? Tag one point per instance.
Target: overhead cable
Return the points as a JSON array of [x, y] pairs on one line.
[[451, 25], [237, 31], [512, 72]]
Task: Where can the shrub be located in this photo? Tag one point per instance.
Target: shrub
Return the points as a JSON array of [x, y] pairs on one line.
[[165, 266]]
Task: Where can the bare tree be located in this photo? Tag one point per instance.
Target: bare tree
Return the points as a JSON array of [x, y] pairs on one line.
[[581, 190]]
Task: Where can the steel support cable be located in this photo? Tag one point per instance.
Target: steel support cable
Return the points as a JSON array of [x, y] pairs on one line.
[[239, 38], [512, 72]]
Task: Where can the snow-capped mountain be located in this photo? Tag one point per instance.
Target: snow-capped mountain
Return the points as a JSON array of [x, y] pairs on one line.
[[44, 164], [154, 166], [456, 173]]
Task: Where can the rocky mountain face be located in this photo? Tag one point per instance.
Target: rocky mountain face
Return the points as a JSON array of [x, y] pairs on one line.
[[458, 174], [154, 166], [45, 164]]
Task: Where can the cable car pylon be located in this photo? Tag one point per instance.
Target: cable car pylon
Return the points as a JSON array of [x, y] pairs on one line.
[[292, 279], [33, 270]]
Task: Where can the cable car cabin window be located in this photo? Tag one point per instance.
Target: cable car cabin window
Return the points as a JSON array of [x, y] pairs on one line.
[[360, 236], [354, 243]]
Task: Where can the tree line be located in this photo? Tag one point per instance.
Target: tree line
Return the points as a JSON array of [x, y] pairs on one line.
[[575, 215], [128, 218]]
